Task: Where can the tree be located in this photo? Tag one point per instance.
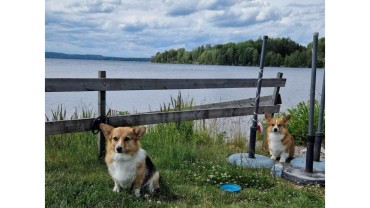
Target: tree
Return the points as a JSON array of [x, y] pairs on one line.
[[279, 60], [279, 51], [180, 55], [229, 56], [270, 59], [188, 59], [255, 58]]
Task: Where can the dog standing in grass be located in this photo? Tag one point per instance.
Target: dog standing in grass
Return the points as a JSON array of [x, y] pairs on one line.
[[280, 143], [127, 163]]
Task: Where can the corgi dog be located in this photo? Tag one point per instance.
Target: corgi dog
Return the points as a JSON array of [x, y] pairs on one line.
[[128, 164], [280, 142]]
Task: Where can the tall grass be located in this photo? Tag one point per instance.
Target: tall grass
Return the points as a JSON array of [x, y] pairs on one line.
[[60, 114], [178, 104]]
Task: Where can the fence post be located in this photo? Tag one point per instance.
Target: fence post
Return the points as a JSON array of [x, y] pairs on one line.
[[101, 112], [275, 95]]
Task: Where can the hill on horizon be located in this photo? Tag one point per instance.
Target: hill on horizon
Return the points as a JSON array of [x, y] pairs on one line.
[[90, 57]]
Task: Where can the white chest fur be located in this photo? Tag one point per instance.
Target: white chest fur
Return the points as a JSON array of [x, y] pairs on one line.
[[123, 167], [276, 146]]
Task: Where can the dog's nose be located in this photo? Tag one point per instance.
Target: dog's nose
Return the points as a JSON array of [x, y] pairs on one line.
[[119, 149], [275, 129]]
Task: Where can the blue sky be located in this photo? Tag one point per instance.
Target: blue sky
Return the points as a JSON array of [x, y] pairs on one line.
[[141, 28]]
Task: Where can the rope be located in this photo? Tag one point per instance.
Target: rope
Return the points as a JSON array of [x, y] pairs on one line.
[[257, 95]]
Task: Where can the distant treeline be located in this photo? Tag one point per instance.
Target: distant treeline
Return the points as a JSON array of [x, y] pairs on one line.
[[90, 57], [279, 52]]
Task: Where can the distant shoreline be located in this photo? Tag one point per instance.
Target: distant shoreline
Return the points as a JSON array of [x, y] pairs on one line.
[[91, 57]]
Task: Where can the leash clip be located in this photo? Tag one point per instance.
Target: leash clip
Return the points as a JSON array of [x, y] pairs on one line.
[[95, 124]]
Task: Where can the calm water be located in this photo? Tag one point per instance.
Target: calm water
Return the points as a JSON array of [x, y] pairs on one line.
[[295, 91]]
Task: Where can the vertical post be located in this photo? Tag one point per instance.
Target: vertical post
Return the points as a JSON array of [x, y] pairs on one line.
[[311, 136], [275, 95], [252, 135], [319, 133], [101, 112]]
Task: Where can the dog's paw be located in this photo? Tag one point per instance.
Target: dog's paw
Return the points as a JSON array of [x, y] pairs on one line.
[[137, 193], [284, 156], [151, 188], [273, 158], [282, 160], [116, 189]]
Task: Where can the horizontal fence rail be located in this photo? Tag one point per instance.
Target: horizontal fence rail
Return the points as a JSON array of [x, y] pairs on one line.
[[108, 84], [264, 100], [70, 126]]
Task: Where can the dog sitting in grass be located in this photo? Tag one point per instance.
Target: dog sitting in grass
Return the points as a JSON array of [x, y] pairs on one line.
[[280, 143], [127, 163]]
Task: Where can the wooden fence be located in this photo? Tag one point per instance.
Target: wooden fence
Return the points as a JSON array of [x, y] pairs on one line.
[[216, 110]]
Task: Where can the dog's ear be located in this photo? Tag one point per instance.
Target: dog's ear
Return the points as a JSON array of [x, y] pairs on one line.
[[267, 116], [106, 129], [139, 131], [286, 118]]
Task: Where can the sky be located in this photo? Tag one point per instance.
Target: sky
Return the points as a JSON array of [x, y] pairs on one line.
[[141, 28]]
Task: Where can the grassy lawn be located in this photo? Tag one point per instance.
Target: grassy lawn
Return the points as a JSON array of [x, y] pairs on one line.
[[192, 164]]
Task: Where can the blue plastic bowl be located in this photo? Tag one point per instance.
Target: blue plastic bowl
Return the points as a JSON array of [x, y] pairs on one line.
[[230, 187]]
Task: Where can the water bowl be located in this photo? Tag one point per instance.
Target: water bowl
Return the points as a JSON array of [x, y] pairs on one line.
[[229, 187]]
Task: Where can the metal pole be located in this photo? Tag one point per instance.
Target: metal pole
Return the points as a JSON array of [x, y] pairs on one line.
[[319, 133], [311, 136], [252, 140], [101, 112]]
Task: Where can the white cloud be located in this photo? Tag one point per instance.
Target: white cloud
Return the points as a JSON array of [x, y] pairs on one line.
[[143, 27]]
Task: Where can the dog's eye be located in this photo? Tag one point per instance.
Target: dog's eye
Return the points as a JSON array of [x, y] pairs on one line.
[[115, 138], [279, 125], [126, 139]]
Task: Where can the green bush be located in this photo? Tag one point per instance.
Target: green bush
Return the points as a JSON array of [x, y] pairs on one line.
[[298, 124]]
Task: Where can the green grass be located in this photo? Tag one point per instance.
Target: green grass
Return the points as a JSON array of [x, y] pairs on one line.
[[191, 166]]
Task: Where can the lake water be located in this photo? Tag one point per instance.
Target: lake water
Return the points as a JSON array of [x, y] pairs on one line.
[[297, 87]]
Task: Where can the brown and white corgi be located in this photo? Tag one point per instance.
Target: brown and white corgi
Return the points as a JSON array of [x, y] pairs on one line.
[[280, 142], [127, 163]]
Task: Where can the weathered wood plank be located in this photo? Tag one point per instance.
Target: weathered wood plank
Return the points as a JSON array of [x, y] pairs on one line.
[[264, 100], [275, 94], [70, 126], [92, 84]]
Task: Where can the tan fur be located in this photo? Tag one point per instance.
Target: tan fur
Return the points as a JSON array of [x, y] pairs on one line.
[[133, 144], [129, 139], [287, 140]]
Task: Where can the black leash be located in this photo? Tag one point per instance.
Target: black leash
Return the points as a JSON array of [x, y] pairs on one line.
[[95, 124]]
